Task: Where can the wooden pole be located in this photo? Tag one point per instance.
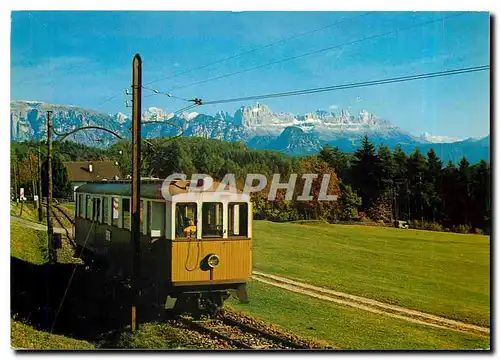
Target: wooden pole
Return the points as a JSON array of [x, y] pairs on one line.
[[50, 231], [40, 214], [136, 184]]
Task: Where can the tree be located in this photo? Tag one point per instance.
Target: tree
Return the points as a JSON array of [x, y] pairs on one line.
[[416, 169], [464, 180], [402, 194], [337, 160], [365, 173], [61, 187], [386, 168], [480, 203], [349, 203], [327, 210], [432, 180], [448, 190]]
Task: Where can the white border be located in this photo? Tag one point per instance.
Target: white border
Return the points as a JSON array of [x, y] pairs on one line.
[[352, 5]]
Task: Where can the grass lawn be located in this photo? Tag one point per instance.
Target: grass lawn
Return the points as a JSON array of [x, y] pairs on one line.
[[345, 327], [69, 206], [441, 273], [29, 212], [25, 337], [28, 244]]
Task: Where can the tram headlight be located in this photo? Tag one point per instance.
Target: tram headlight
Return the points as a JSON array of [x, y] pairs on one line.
[[212, 260]]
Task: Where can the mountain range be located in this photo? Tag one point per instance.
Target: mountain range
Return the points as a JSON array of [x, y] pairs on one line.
[[257, 126]]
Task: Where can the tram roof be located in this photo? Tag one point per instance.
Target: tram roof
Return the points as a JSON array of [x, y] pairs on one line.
[[151, 189]]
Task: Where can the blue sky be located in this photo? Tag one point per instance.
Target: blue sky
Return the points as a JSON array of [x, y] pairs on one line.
[[84, 58]]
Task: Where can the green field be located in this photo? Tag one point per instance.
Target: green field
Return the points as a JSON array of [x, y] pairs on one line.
[[24, 336], [29, 212], [29, 245], [345, 327], [441, 273]]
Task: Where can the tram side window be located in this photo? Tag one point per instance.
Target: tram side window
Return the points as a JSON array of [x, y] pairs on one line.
[[126, 213], [185, 219], [238, 219], [81, 205], [158, 219], [105, 210], [88, 201], [211, 220], [115, 211], [96, 209]]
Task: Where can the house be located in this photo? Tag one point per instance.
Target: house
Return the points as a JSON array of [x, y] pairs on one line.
[[82, 172]]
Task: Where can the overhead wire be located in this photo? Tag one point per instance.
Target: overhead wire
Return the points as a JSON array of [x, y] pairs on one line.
[[317, 51], [157, 92], [354, 85], [167, 122], [238, 55]]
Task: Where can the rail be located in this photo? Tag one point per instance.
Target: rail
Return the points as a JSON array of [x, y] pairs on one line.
[[240, 335]]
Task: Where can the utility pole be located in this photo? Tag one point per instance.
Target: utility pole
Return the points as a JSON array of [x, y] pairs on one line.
[[136, 183], [40, 214], [50, 230], [14, 166], [33, 176]]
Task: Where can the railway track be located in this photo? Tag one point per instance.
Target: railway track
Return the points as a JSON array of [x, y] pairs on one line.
[[65, 213], [57, 216], [239, 335]]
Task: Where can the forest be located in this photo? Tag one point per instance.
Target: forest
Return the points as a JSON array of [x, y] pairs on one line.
[[374, 183]]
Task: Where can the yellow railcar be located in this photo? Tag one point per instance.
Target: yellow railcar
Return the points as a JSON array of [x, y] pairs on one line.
[[196, 242]]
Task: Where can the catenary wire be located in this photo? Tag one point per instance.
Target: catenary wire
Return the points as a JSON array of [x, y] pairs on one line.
[[425, 23], [238, 55], [354, 85]]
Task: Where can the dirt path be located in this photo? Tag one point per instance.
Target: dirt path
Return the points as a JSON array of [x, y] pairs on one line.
[[35, 225], [370, 305]]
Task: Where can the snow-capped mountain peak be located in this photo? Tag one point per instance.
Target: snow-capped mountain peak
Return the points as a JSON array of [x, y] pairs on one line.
[[439, 138], [257, 126]]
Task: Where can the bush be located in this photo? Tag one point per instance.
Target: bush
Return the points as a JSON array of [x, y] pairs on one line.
[[426, 225], [462, 229], [478, 231], [435, 227]]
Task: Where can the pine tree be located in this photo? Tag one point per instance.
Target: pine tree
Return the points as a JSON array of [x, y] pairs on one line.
[[464, 178], [401, 183], [448, 189], [365, 173], [432, 181], [416, 169], [481, 196], [336, 159], [386, 169]]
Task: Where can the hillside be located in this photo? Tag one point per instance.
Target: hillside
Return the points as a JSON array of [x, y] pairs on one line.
[[257, 126]]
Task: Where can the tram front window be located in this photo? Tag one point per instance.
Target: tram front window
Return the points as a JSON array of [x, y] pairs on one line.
[[185, 220], [212, 220]]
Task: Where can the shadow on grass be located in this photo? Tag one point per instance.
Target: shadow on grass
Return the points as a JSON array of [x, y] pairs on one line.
[[94, 310]]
